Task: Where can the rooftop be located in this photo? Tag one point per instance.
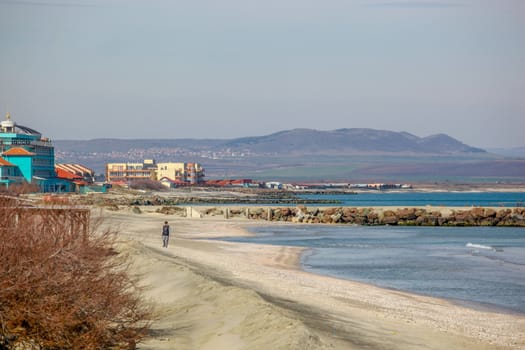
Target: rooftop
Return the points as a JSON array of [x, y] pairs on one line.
[[17, 151], [4, 162], [64, 174]]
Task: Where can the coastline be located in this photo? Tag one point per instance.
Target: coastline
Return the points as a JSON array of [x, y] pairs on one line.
[[322, 311], [248, 197]]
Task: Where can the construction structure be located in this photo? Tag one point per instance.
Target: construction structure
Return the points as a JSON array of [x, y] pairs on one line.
[[181, 173], [27, 157], [129, 172], [82, 177], [85, 174], [174, 174]]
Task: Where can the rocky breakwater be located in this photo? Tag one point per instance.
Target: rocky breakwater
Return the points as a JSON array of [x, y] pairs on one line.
[[384, 216], [196, 200]]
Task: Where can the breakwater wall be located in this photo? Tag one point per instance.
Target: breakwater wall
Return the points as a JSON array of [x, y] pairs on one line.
[[442, 216]]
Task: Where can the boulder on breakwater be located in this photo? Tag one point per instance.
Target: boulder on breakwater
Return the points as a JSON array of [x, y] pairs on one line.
[[384, 216]]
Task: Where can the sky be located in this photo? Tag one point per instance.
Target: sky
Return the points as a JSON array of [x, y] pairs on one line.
[[86, 69]]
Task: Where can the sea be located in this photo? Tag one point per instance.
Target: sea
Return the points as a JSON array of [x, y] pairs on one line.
[[481, 267]]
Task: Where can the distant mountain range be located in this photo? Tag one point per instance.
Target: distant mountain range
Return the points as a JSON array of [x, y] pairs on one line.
[[296, 141], [309, 155], [344, 141]]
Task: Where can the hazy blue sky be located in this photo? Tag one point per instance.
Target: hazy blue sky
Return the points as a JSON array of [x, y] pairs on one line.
[[87, 69]]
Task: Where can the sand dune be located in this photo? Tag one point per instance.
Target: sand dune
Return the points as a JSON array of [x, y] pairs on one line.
[[211, 294]]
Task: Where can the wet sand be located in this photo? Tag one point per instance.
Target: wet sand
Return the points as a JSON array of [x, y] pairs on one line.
[[210, 294]]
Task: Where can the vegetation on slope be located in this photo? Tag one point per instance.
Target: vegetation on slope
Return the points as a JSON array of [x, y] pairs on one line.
[[62, 286]]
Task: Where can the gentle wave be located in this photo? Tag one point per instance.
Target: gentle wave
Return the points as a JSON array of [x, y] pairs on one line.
[[476, 264], [480, 246]]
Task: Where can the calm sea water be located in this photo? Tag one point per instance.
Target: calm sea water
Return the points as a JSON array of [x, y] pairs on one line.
[[377, 198], [475, 266]]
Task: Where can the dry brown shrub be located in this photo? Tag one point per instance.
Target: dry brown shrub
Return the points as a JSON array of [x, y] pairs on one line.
[[21, 188], [62, 286]]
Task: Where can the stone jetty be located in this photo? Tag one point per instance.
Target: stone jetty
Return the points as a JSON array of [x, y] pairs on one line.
[[442, 216]]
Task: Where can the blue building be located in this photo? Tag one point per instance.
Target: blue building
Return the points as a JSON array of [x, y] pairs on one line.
[[31, 155], [10, 173]]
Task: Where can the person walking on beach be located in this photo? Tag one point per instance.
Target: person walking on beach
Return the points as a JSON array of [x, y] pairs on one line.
[[165, 234]]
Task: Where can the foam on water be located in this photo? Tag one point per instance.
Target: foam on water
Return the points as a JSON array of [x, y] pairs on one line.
[[479, 246]]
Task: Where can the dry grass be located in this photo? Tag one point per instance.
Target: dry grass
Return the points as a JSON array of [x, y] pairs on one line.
[[21, 188], [62, 287]]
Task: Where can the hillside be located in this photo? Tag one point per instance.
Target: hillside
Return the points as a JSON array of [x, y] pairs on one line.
[[296, 141], [354, 141], [310, 155]]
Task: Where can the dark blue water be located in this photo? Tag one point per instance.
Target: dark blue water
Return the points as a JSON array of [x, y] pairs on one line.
[[480, 266], [409, 198]]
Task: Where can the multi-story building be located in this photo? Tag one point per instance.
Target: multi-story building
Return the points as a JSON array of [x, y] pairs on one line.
[[191, 173], [181, 173], [10, 173], [32, 154], [128, 172]]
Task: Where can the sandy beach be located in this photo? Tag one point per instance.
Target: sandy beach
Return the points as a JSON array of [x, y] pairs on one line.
[[210, 294]]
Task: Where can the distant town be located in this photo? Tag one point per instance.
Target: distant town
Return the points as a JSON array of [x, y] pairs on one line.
[[27, 157], [160, 153]]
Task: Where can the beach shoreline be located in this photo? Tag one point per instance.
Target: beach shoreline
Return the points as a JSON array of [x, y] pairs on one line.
[[324, 311]]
